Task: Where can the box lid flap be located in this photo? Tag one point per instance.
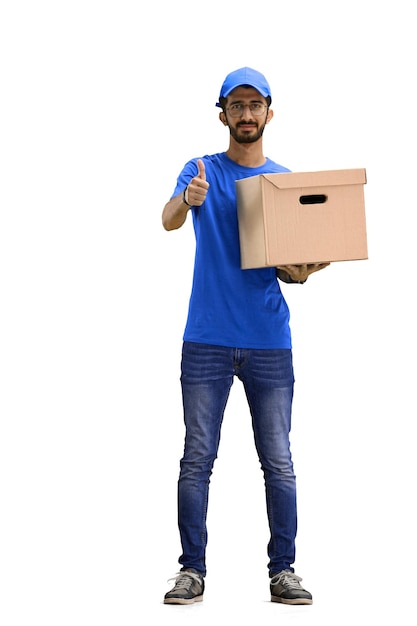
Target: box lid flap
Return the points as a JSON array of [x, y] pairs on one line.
[[288, 180]]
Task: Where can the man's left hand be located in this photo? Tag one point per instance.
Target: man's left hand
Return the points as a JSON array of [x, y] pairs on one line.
[[300, 273]]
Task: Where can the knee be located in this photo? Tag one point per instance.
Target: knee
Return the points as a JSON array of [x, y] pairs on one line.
[[196, 468]]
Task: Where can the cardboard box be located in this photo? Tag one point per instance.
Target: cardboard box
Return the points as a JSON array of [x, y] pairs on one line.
[[302, 217]]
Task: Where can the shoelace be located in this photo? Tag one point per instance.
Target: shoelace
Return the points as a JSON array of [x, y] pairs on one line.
[[288, 579], [184, 580]]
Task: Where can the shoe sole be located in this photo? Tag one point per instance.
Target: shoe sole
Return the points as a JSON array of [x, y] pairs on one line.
[[183, 600], [289, 601]]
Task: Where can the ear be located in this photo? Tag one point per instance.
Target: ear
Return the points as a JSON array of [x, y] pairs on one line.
[[222, 118], [269, 116]]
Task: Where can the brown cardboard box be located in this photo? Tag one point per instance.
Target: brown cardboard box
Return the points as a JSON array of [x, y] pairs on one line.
[[302, 217]]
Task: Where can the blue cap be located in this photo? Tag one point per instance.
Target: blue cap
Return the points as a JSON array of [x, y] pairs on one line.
[[245, 76]]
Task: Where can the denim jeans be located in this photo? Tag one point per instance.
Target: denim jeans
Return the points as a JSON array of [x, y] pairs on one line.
[[207, 374]]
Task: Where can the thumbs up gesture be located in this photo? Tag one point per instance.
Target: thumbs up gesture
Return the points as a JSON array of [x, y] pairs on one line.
[[196, 191]]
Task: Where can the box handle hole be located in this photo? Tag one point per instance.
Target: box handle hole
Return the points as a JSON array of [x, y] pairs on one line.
[[318, 198]]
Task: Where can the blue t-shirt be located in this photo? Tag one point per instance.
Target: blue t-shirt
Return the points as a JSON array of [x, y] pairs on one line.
[[230, 306]]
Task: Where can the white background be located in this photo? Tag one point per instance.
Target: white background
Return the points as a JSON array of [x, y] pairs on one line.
[[101, 105]]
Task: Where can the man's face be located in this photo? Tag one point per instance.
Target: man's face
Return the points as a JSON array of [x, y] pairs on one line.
[[246, 114]]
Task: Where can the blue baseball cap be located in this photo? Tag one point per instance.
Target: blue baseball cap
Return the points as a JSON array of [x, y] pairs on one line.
[[245, 76]]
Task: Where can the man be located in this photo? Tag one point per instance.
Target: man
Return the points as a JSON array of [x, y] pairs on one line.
[[238, 325]]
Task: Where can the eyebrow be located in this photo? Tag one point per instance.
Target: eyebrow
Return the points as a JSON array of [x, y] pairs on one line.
[[240, 101]]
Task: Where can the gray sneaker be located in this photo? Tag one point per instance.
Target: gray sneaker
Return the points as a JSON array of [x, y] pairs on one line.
[[285, 587], [188, 588]]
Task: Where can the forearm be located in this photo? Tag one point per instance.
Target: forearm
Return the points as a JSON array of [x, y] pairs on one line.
[[174, 213]]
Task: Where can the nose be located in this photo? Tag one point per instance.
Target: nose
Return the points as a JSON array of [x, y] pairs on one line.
[[244, 107], [246, 117]]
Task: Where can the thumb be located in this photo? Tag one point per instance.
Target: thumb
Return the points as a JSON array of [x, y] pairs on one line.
[[201, 169]]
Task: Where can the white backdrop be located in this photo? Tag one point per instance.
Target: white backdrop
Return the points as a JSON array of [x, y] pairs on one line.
[[102, 103]]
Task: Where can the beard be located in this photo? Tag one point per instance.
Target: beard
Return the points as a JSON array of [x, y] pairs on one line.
[[244, 136]]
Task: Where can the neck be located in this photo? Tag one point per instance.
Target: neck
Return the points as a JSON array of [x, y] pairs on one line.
[[246, 154]]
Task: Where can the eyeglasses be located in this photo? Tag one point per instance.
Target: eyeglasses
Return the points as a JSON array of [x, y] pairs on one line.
[[237, 110]]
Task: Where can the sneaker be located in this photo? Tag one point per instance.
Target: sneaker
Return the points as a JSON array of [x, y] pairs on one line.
[[188, 588], [286, 588]]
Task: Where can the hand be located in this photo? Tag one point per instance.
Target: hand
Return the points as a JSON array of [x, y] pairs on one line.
[[196, 191], [300, 273]]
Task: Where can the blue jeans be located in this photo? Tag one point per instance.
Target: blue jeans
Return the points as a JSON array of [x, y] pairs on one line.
[[207, 374]]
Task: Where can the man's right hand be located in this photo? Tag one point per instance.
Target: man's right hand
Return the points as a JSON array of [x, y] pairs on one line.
[[198, 187]]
